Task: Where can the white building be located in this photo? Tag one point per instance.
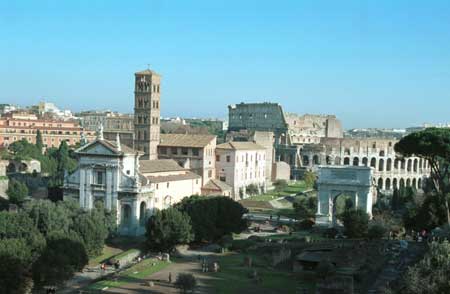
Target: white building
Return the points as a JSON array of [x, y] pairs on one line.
[[241, 164], [112, 173]]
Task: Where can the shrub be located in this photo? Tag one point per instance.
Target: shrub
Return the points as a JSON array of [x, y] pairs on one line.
[[376, 231], [186, 282], [356, 223]]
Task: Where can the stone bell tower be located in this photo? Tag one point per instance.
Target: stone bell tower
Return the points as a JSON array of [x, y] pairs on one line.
[[147, 113]]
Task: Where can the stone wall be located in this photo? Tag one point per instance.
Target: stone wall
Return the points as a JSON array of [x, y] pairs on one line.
[[281, 171], [3, 187]]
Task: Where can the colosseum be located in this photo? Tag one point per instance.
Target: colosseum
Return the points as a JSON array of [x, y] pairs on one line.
[[390, 170]]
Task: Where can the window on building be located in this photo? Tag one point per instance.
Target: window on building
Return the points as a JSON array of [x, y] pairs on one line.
[[184, 151], [210, 174], [157, 186], [174, 150], [163, 150], [168, 184], [195, 151], [228, 158], [217, 157], [99, 178], [223, 178]]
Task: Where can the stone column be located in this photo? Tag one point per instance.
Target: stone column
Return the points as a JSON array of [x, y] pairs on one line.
[[82, 199], [89, 180], [109, 188]]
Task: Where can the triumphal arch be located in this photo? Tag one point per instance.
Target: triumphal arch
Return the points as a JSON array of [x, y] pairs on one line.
[[334, 181]]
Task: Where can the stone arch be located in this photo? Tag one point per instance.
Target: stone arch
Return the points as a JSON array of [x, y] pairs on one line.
[[389, 164], [419, 183], [126, 215], [382, 153], [402, 164], [23, 167], [346, 160], [11, 168], [420, 163], [337, 160], [387, 184], [381, 165], [394, 184], [408, 182], [316, 160], [401, 183], [414, 183], [142, 213], [416, 162], [305, 160], [347, 151], [373, 162], [356, 161], [380, 183], [396, 163], [409, 166], [167, 201], [328, 160], [365, 161]]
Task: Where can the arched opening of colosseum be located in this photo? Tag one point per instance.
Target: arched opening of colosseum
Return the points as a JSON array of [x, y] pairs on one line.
[[402, 164], [402, 183], [382, 153], [316, 160], [414, 183], [347, 151], [408, 182], [388, 164], [373, 162], [380, 183], [419, 183], [365, 161], [387, 184], [337, 161], [305, 160], [346, 161], [381, 165], [328, 160], [409, 165], [420, 164], [416, 162], [396, 161], [356, 161], [394, 183]]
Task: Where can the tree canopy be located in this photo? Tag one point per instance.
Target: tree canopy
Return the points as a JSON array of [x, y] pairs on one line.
[[433, 145], [356, 223], [167, 228], [213, 217], [17, 192]]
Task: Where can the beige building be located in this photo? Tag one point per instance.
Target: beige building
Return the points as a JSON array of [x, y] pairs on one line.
[[193, 152], [241, 164]]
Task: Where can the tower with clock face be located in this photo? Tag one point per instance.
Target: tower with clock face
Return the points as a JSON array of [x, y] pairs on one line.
[[147, 113]]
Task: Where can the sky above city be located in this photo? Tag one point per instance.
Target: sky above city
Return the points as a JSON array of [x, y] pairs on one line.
[[379, 63]]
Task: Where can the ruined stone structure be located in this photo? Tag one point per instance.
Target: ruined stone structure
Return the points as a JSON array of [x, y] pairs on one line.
[[389, 169], [334, 181], [147, 113], [290, 131]]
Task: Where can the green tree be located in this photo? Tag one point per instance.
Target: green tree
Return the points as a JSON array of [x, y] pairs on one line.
[[186, 282], [49, 217], [167, 228], [432, 145], [376, 231], [356, 223], [252, 189], [17, 192], [90, 227], [39, 143], [59, 261], [64, 163], [280, 186], [15, 260], [310, 179], [305, 207], [213, 217]]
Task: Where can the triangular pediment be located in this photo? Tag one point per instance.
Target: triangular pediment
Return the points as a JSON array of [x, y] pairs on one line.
[[97, 148]]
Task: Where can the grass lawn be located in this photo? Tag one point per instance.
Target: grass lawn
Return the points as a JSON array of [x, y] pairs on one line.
[[292, 188], [136, 272], [233, 277], [107, 253]]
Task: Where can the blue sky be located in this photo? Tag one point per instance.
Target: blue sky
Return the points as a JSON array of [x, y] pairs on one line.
[[379, 63]]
